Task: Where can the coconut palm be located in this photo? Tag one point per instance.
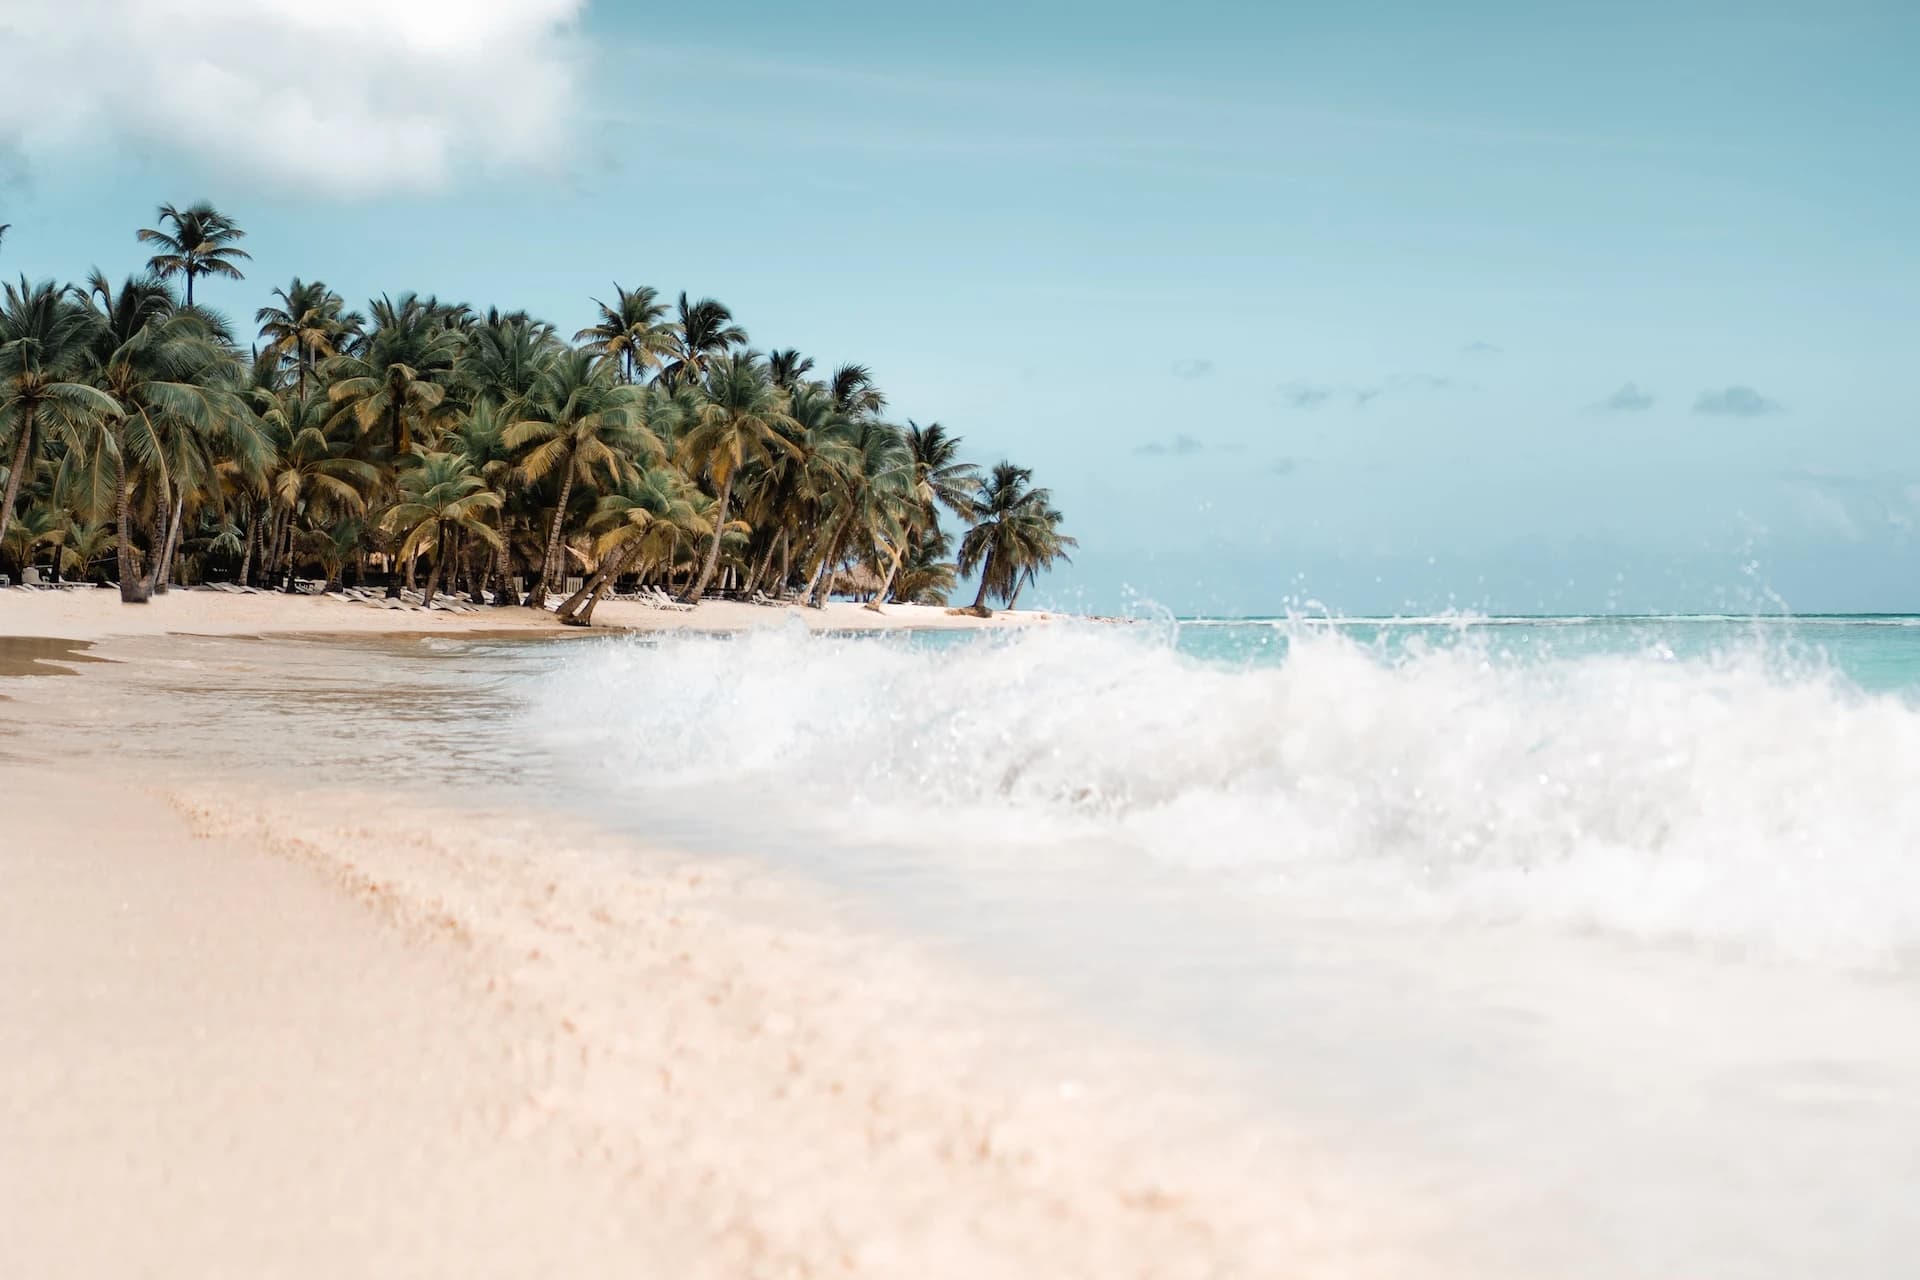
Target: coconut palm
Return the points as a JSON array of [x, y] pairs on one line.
[[704, 332], [641, 526], [854, 390], [310, 324], [787, 368], [86, 544], [45, 337], [502, 358], [203, 242], [316, 479], [629, 333], [927, 576], [394, 383], [579, 424], [789, 491], [866, 506], [1016, 534], [40, 525], [742, 417], [132, 423], [175, 386], [441, 498]]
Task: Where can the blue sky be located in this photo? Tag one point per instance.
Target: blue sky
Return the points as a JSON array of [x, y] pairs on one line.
[[1386, 306]]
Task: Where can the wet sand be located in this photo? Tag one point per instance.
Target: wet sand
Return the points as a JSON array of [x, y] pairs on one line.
[[41, 656]]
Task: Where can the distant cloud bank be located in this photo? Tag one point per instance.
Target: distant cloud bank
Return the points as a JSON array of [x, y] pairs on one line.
[[1304, 395], [1192, 369], [1181, 446], [1735, 402], [1628, 399], [350, 98], [1311, 395], [1480, 347]]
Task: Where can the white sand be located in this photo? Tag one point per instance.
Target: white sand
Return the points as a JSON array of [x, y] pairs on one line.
[[247, 1030], [95, 614]]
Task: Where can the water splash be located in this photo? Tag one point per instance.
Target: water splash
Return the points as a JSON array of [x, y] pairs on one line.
[[1735, 799]]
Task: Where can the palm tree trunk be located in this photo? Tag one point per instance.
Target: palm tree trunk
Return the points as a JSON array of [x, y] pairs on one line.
[[163, 570], [766, 563], [886, 588], [291, 588], [478, 571], [786, 562], [538, 598], [979, 605], [253, 535], [579, 606], [132, 590], [439, 559], [699, 587], [503, 592], [823, 574], [279, 534], [13, 476]]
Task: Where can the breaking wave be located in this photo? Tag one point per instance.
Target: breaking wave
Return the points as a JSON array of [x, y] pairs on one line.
[[1735, 800]]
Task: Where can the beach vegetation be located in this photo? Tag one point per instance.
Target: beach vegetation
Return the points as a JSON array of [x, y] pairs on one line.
[[143, 441]]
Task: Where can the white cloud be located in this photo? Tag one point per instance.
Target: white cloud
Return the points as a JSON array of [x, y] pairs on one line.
[[345, 97]]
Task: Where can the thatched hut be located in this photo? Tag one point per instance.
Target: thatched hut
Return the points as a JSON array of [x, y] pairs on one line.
[[856, 580]]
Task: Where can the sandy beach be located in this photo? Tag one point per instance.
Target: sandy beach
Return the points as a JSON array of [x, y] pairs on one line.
[[94, 614], [258, 1028]]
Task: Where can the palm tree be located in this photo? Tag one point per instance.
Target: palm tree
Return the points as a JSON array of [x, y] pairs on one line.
[[855, 391], [790, 490], [202, 243], [86, 544], [940, 479], [40, 525], [1016, 533], [641, 525], [741, 418], [316, 477], [174, 385], [867, 506], [927, 576], [503, 358], [395, 382], [311, 324], [131, 422], [44, 341], [787, 368], [440, 498], [629, 333], [576, 422], [704, 331]]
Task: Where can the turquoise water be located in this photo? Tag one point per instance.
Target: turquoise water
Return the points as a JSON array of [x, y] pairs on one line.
[[1876, 652]]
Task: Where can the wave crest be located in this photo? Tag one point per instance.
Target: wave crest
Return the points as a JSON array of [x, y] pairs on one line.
[[1733, 800]]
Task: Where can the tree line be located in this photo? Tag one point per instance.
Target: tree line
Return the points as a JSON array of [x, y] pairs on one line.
[[143, 440]]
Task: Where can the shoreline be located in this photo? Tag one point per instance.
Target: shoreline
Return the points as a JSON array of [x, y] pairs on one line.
[[97, 613], [553, 1051]]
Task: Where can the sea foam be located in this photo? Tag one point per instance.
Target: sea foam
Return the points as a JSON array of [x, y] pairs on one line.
[[1731, 801]]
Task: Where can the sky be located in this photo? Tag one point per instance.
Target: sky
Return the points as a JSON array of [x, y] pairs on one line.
[[1376, 307]]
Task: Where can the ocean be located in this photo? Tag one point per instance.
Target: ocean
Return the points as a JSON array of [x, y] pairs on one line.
[[1600, 935]]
